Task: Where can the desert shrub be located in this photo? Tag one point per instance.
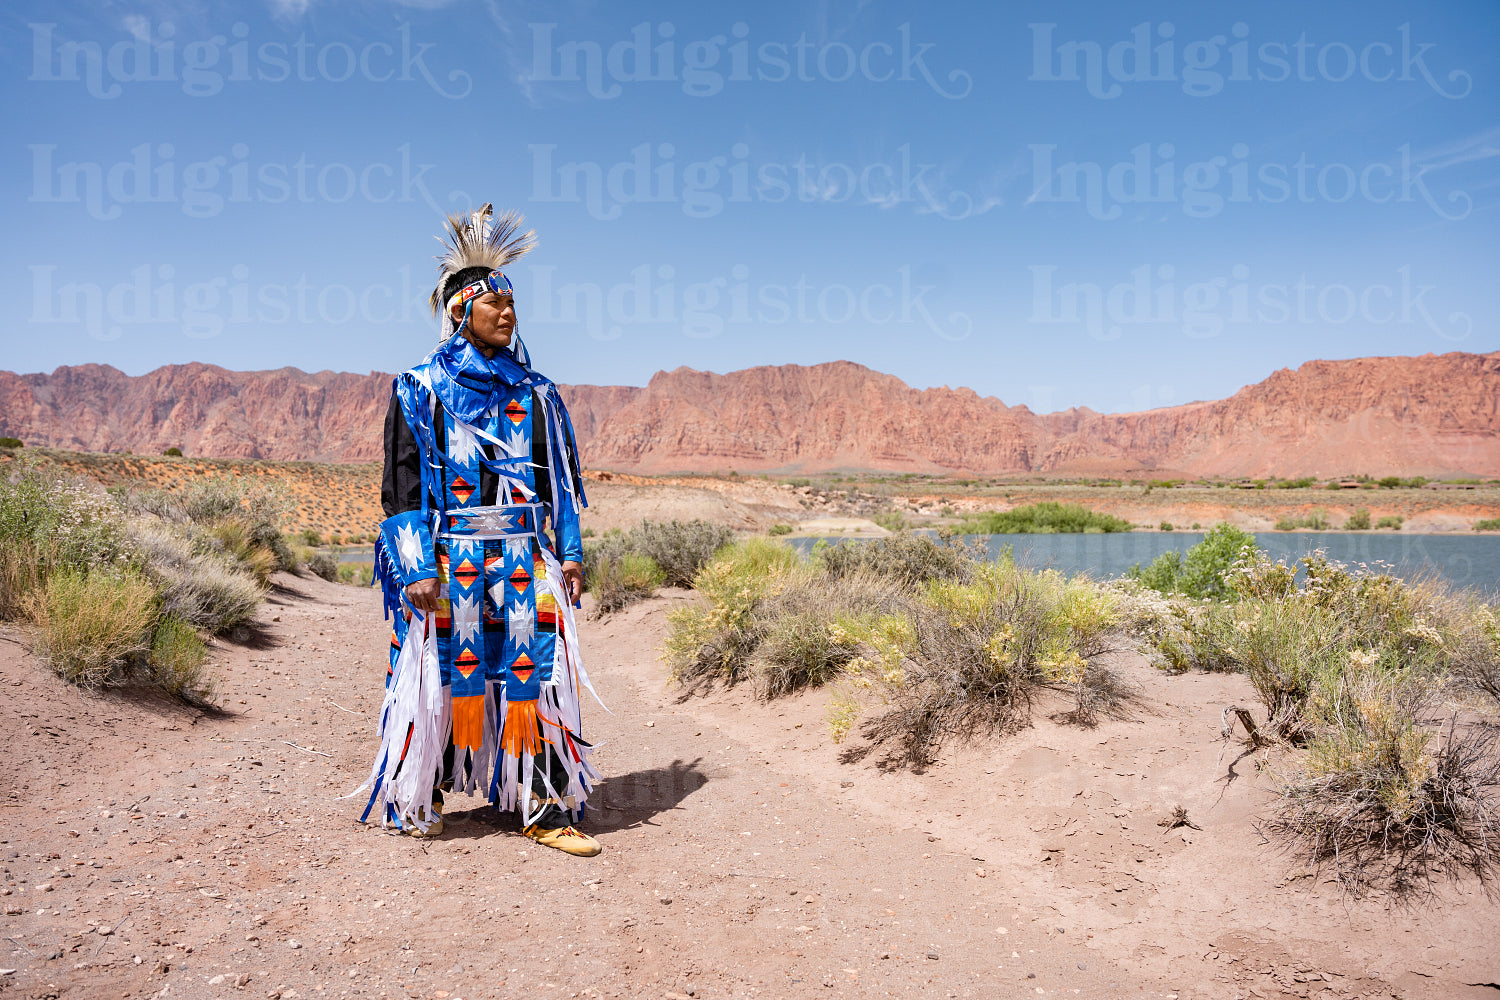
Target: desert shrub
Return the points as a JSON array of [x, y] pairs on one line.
[[1166, 526], [1359, 520], [843, 712], [1488, 524], [325, 565], [715, 640], [90, 624], [311, 537], [1047, 517], [779, 529], [177, 661], [1391, 521], [619, 582], [235, 540], [904, 558], [173, 452], [228, 517], [11, 442], [623, 567], [203, 589], [979, 651], [680, 548], [1204, 571], [356, 574], [890, 520], [1384, 798], [1316, 520], [47, 524]]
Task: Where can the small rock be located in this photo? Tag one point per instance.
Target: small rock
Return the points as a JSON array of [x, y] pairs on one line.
[[294, 944], [932, 956], [217, 980], [980, 872], [53, 955], [182, 814], [44, 887], [1083, 966], [885, 954], [666, 899], [650, 725], [1031, 975], [809, 899]]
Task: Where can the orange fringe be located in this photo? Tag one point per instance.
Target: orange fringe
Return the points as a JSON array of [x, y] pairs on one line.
[[468, 722], [522, 733]]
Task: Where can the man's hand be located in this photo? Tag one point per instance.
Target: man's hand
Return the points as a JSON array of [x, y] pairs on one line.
[[423, 595], [573, 581]]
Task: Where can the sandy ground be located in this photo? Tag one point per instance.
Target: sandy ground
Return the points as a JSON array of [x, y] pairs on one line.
[[153, 851]]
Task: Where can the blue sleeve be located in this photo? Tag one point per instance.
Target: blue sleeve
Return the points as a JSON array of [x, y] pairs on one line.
[[569, 537], [408, 540]]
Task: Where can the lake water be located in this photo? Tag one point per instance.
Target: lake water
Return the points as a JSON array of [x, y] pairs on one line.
[[1471, 560]]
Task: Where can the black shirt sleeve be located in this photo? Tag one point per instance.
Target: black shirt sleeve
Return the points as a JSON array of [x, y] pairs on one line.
[[401, 482]]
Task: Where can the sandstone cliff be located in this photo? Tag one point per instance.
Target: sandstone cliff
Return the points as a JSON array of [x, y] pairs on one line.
[[1435, 414]]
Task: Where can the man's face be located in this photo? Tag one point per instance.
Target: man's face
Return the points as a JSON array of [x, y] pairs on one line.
[[492, 322]]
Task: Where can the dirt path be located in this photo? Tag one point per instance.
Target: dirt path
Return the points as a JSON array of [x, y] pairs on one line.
[[153, 851]]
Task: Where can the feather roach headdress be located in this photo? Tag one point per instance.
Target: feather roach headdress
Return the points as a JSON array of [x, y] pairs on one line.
[[478, 247]]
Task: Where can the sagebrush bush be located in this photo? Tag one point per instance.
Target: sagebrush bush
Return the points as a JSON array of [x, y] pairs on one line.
[[904, 558], [90, 624], [617, 568], [203, 589], [680, 548], [325, 565]]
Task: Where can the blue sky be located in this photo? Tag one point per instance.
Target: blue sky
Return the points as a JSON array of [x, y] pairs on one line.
[[1117, 205]]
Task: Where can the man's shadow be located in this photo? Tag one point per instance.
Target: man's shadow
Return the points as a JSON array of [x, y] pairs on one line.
[[617, 802]]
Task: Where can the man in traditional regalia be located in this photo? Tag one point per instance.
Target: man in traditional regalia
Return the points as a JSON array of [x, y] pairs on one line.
[[480, 560]]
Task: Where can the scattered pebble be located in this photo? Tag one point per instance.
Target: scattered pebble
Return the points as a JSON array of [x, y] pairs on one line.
[[294, 944]]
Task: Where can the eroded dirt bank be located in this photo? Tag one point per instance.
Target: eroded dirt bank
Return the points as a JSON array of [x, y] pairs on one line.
[[150, 850]]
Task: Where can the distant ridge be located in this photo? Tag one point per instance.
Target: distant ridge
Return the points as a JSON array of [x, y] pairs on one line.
[[1428, 415]]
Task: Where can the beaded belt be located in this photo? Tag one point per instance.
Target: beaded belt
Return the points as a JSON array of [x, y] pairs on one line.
[[515, 520]]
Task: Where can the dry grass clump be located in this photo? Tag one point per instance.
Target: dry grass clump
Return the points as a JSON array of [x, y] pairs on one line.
[[621, 581], [951, 655], [90, 624]]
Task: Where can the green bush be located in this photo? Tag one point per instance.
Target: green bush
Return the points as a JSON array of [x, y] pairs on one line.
[[1204, 571], [779, 529], [956, 653], [1359, 520], [890, 520], [10, 442], [1392, 521], [173, 453], [1165, 526], [310, 536], [1488, 524], [1045, 518]]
